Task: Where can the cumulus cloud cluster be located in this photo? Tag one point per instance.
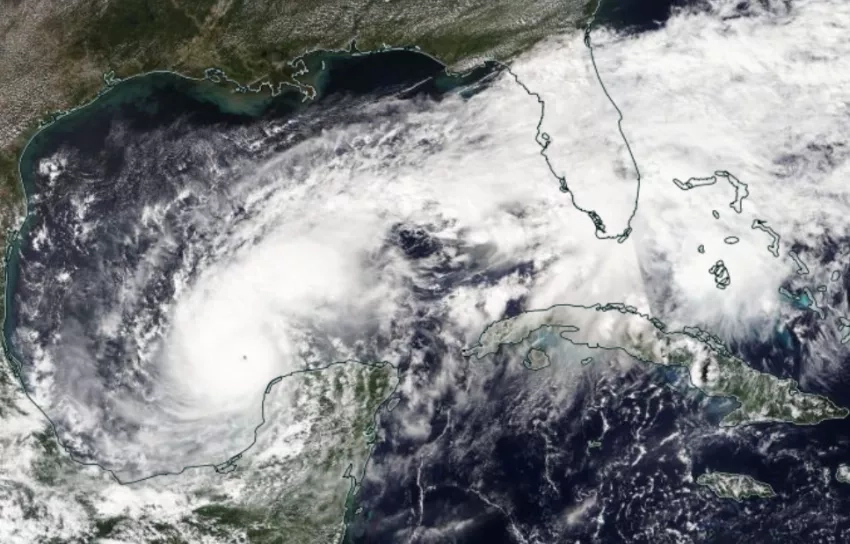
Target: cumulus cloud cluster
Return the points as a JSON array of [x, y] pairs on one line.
[[309, 256], [763, 96]]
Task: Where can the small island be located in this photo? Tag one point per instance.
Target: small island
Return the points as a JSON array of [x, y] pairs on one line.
[[842, 473], [536, 359]]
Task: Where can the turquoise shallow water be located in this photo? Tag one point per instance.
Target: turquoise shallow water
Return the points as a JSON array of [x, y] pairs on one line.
[[160, 97], [86, 251]]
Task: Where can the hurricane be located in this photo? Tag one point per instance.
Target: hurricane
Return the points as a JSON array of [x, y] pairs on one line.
[[190, 261]]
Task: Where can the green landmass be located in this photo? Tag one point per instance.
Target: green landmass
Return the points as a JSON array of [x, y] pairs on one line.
[[302, 497], [713, 369], [738, 487], [54, 56], [293, 486]]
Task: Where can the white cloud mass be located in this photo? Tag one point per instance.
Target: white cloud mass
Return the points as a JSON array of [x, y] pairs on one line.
[[313, 275]]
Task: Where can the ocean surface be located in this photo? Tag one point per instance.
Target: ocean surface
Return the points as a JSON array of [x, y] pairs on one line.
[[520, 461]]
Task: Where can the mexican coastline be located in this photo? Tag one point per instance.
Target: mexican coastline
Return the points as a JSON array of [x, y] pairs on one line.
[[158, 98], [794, 466]]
